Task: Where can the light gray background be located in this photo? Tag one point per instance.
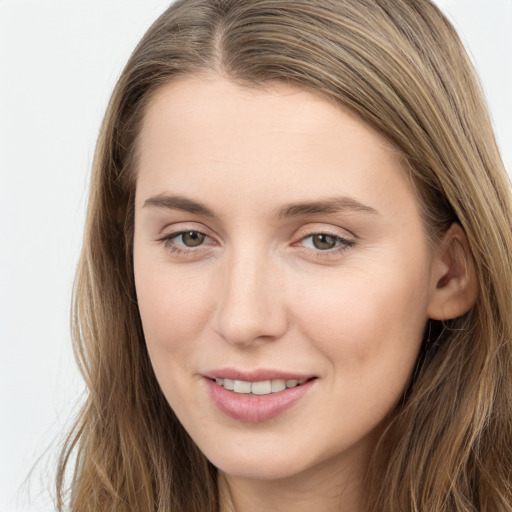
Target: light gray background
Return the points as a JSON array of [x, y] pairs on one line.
[[58, 63]]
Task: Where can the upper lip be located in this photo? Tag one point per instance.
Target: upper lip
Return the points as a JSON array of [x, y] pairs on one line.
[[256, 375]]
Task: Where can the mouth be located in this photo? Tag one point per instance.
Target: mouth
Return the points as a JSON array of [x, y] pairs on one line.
[[261, 387], [257, 396]]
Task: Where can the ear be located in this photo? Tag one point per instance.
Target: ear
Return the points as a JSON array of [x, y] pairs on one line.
[[454, 284]]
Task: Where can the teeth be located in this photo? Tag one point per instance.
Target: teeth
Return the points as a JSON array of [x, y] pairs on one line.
[[242, 386], [278, 385], [265, 387], [261, 388]]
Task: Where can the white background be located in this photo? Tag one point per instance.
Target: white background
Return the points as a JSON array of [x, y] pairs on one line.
[[58, 63]]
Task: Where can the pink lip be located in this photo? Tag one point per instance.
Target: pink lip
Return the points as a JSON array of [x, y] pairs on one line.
[[255, 375], [255, 408]]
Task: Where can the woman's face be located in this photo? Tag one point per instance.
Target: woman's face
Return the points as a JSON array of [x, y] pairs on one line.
[[277, 239]]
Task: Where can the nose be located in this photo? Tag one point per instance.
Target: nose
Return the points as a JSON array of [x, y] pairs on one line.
[[251, 307]]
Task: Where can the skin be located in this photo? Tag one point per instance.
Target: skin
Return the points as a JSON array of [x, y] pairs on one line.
[[257, 293]]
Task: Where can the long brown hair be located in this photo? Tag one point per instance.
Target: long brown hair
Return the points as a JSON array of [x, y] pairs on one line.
[[400, 66]]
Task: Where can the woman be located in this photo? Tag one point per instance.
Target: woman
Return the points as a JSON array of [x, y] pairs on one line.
[[295, 283]]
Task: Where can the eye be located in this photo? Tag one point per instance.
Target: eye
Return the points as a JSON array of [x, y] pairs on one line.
[[190, 238], [185, 241], [328, 243], [321, 241]]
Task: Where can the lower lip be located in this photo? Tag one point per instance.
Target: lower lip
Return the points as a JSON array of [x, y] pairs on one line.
[[255, 408]]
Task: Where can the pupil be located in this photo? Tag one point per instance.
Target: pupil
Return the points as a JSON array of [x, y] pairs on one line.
[[323, 242], [193, 238]]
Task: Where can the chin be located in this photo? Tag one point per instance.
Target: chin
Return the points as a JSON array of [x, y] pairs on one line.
[[259, 469], [258, 463]]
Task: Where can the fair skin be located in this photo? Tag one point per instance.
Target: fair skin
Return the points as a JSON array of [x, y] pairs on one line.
[[276, 235]]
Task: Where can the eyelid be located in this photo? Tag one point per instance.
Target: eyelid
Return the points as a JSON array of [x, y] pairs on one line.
[[177, 234], [342, 241], [171, 232], [184, 227], [323, 229]]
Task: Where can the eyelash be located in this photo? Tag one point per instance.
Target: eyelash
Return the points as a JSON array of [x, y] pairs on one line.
[[342, 243], [169, 242]]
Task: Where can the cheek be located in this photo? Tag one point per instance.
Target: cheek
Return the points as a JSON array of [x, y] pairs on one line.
[[371, 334], [367, 322], [173, 316], [174, 308]]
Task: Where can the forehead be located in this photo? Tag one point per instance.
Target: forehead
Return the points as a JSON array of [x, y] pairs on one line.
[[192, 107], [282, 141]]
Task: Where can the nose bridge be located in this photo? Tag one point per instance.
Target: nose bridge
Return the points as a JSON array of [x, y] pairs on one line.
[[250, 305]]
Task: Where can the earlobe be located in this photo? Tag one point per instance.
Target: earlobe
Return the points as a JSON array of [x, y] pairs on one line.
[[454, 284]]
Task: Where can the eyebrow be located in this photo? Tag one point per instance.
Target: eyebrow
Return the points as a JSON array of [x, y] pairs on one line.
[[179, 203], [328, 206]]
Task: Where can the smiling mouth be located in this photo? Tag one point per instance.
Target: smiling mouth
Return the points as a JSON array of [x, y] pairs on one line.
[[264, 387], [257, 400]]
